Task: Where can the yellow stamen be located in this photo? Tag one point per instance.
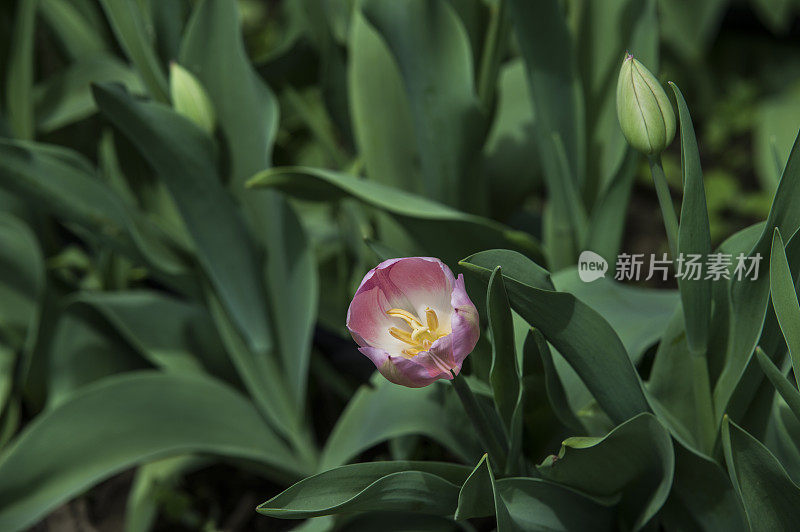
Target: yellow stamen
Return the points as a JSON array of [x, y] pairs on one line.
[[432, 319], [421, 337], [403, 336], [406, 316]]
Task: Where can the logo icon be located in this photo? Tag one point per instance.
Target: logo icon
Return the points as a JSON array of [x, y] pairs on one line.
[[591, 266]]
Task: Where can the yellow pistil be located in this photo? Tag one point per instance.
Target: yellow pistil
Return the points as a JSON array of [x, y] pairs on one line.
[[421, 337]]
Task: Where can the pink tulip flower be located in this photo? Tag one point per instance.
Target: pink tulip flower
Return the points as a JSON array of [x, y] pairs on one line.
[[414, 320]]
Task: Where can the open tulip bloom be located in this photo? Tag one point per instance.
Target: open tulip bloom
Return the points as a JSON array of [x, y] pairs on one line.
[[414, 320]]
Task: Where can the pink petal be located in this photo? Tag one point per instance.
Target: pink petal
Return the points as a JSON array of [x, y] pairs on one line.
[[464, 322], [368, 322], [425, 282], [400, 370]]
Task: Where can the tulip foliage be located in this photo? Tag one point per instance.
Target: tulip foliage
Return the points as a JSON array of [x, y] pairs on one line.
[[218, 218]]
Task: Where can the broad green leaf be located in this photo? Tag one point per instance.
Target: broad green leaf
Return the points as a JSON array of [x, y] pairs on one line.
[[504, 376], [76, 33], [384, 411], [536, 346], [547, 47], [688, 26], [510, 158], [19, 78], [580, 334], [694, 234], [247, 113], [182, 156], [65, 184], [635, 460], [636, 314], [138, 417], [127, 20], [702, 497], [66, 97], [420, 487], [774, 132], [784, 299], [431, 48], [22, 285], [477, 495], [83, 348], [535, 504], [169, 333], [671, 386], [771, 500], [382, 122], [213, 50], [749, 298], [445, 232]]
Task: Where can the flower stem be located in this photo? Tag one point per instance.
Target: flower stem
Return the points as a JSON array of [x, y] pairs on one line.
[[665, 201], [486, 434]]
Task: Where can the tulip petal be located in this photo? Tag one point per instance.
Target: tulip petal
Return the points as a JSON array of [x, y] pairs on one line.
[[425, 282], [368, 322], [400, 370], [464, 322]]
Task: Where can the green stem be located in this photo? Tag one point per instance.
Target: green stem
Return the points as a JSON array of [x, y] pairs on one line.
[[492, 50], [706, 429], [486, 435], [665, 201]]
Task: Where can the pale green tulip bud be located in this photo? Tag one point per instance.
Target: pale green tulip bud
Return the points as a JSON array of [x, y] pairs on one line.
[[190, 99], [643, 108]]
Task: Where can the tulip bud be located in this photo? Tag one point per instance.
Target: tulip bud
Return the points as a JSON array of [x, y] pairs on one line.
[[190, 99], [643, 108]]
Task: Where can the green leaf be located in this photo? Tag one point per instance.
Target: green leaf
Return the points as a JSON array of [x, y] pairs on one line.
[[580, 334], [247, 113], [171, 334], [431, 48], [635, 460], [477, 495], [603, 32], [536, 345], [380, 111], [750, 298], [66, 97], [419, 487], [535, 504], [127, 20], [784, 299], [182, 156], [385, 411], [546, 46], [137, 417], [65, 184], [22, 286], [444, 231], [504, 375], [771, 500], [702, 497], [636, 314], [19, 78], [780, 382], [76, 33], [694, 234]]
